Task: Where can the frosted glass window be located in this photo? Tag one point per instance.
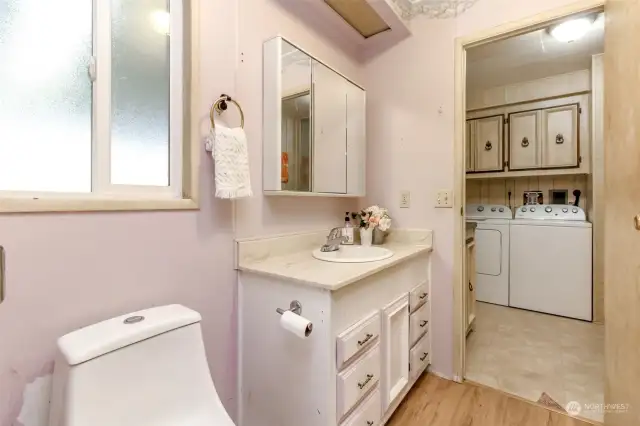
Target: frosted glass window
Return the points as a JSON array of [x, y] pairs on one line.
[[45, 95], [140, 92]]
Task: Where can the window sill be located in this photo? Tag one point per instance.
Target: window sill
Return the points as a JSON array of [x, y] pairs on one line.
[[92, 205]]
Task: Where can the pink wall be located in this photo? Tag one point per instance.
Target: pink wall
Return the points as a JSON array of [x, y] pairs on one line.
[[410, 128]]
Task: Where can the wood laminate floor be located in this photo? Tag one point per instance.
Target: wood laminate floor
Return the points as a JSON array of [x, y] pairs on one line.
[[434, 401]]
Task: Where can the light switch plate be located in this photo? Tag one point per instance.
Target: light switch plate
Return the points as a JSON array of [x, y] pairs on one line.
[[405, 199], [445, 199]]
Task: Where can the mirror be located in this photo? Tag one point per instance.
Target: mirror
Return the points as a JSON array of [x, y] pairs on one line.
[[314, 126]]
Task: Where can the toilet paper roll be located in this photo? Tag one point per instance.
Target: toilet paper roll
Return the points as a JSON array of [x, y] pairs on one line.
[[296, 324]]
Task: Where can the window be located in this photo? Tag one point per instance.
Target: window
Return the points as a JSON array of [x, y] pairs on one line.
[[91, 99]]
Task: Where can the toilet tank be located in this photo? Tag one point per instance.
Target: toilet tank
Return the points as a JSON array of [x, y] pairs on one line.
[[145, 368]]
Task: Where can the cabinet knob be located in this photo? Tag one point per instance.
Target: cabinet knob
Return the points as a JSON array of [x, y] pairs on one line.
[[525, 142], [488, 146], [369, 423], [559, 139]]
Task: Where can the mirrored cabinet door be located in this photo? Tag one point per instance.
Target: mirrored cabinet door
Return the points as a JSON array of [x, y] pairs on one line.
[[313, 125]]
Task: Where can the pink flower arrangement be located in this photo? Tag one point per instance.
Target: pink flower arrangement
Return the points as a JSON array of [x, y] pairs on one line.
[[375, 217]]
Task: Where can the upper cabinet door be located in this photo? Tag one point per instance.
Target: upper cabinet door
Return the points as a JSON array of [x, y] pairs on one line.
[[560, 136], [488, 144], [356, 139], [524, 144], [468, 142]]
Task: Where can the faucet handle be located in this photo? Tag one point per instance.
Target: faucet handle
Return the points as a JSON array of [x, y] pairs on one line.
[[335, 233]]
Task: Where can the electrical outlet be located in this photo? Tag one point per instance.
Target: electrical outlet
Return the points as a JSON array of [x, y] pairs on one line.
[[405, 199], [445, 199]]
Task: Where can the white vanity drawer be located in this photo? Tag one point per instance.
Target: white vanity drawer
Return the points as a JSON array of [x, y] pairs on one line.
[[418, 323], [418, 296], [368, 413], [354, 382], [420, 356], [356, 338]]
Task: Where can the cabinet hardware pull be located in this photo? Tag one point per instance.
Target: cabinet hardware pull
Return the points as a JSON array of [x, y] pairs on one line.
[[525, 142], [424, 356], [423, 295], [423, 323], [366, 339], [470, 286], [363, 384], [488, 146], [369, 423], [559, 139]]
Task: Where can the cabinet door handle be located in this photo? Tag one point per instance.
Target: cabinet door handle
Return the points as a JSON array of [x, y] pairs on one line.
[[470, 286], [559, 139], [423, 295], [525, 142], [424, 356], [368, 337], [369, 423], [488, 146], [361, 385]]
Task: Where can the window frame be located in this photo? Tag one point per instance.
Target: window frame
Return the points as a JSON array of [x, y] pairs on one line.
[[184, 152]]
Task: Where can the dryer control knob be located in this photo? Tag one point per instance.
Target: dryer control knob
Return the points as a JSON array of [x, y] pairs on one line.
[[547, 209], [565, 210], [574, 210], [480, 208], [524, 209], [493, 209], [501, 210], [532, 209]]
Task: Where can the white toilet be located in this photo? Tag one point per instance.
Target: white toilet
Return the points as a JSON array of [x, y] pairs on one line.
[[147, 368]]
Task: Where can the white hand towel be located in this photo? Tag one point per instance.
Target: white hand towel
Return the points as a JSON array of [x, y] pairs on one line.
[[231, 158]]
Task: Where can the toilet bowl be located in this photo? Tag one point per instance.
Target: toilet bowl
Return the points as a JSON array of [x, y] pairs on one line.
[[147, 368]]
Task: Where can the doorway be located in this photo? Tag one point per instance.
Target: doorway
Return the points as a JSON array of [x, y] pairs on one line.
[[529, 307]]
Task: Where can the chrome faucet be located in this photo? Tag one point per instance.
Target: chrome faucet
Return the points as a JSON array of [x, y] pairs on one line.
[[334, 240]]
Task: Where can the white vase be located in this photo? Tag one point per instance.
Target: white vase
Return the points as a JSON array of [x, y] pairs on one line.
[[366, 236]]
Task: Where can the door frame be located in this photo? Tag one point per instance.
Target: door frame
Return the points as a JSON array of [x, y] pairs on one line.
[[507, 30]]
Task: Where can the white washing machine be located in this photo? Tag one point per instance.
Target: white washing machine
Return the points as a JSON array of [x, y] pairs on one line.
[[492, 251], [550, 262]]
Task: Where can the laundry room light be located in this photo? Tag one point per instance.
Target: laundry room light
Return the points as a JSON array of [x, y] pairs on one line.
[[572, 30]]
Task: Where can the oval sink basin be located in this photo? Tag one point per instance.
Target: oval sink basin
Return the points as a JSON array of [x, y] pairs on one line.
[[354, 254]]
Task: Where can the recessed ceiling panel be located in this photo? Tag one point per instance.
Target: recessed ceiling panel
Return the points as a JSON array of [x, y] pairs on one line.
[[360, 15]]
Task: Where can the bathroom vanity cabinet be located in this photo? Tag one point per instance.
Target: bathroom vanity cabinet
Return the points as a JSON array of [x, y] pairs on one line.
[[370, 343]]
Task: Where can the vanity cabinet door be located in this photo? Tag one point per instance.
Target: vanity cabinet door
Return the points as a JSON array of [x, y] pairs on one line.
[[524, 144], [560, 136], [329, 97], [488, 144], [395, 356], [356, 139]]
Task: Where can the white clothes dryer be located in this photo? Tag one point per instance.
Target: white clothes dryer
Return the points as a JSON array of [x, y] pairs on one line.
[[492, 251]]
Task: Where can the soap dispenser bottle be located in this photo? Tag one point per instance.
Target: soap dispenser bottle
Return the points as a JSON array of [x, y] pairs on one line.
[[348, 230]]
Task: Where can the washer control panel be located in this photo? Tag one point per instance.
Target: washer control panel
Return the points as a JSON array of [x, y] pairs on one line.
[[488, 211], [551, 212]]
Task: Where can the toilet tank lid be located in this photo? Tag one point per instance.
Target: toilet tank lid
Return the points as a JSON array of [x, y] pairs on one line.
[[107, 336]]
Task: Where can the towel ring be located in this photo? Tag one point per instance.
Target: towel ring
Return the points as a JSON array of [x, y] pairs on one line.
[[220, 106]]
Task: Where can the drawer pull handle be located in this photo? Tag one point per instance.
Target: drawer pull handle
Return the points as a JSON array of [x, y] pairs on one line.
[[369, 423], [423, 323], [368, 337], [361, 385], [423, 295], [424, 356]]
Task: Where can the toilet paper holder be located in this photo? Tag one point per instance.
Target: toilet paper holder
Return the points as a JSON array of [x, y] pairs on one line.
[[294, 306]]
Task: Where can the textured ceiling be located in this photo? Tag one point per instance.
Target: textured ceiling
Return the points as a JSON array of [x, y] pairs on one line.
[[528, 57]]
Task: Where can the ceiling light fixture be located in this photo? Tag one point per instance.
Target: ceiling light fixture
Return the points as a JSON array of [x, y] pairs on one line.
[[435, 9], [572, 30]]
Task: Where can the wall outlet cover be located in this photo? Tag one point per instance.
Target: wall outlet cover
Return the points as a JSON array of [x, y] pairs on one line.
[[405, 199], [444, 199]]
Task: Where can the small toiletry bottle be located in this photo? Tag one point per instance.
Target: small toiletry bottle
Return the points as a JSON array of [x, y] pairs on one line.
[[348, 230]]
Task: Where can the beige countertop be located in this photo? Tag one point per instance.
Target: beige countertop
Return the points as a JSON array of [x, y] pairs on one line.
[[290, 258]]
